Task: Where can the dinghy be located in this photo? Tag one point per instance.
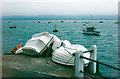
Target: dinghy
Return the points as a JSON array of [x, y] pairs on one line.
[[37, 44], [100, 21], [64, 54], [62, 49]]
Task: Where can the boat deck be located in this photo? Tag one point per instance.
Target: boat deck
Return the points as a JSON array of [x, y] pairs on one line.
[[35, 65]]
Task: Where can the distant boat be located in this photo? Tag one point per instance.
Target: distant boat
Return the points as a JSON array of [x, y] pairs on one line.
[[49, 22], [55, 30], [75, 22], [61, 21], [117, 22], [90, 30], [100, 20], [33, 21], [9, 21], [12, 27], [38, 21], [85, 22]]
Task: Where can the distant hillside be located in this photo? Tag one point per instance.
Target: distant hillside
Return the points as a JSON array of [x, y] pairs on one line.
[[60, 17]]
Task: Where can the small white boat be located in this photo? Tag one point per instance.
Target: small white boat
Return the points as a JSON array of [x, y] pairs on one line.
[[37, 44], [90, 31], [100, 21], [117, 22], [62, 49], [86, 22], [64, 54], [75, 22]]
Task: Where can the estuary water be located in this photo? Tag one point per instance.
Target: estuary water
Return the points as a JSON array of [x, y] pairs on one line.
[[107, 41]]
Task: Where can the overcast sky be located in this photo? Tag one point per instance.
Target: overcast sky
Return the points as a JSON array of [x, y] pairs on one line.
[[59, 7]]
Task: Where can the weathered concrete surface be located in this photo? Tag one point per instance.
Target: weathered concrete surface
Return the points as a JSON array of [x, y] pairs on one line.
[[0, 66], [37, 65], [28, 66]]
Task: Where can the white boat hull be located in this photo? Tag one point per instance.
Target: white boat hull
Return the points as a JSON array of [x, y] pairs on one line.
[[91, 33], [37, 44], [63, 55]]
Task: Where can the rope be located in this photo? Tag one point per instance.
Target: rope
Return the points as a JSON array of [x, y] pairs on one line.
[[69, 53], [88, 51]]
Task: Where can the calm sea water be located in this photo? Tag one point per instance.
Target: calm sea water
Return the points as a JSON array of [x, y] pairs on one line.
[[107, 42]]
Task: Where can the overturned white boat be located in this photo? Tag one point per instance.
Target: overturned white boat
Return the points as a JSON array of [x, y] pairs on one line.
[[37, 44], [64, 54], [62, 50]]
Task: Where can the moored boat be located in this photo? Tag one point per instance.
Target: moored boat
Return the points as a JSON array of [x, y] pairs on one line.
[[55, 30], [86, 22], [38, 21], [49, 22], [61, 21], [90, 31], [100, 21], [75, 22], [117, 22]]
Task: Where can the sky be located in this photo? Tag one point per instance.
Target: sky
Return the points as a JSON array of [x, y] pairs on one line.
[[59, 7]]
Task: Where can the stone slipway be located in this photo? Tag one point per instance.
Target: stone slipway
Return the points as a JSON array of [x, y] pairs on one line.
[[35, 65], [28, 66]]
